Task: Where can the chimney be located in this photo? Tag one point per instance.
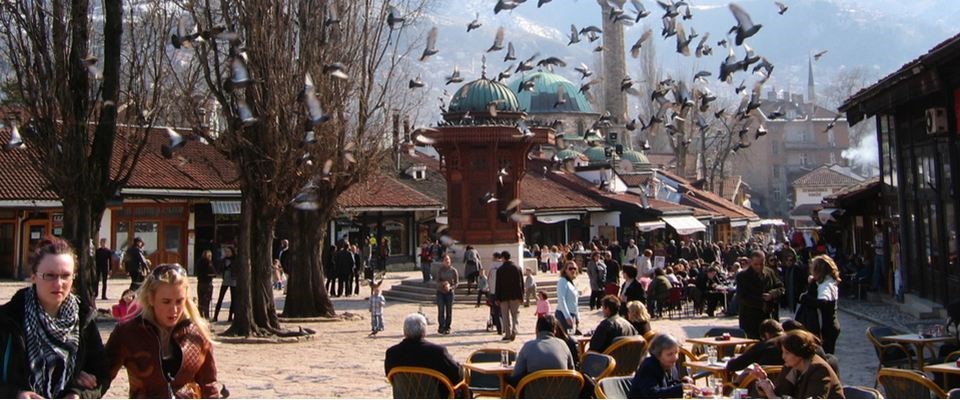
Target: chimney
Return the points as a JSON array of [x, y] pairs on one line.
[[396, 139]]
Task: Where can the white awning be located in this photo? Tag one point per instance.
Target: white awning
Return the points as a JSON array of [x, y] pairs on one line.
[[225, 207], [772, 222], [650, 226], [826, 215], [685, 225], [737, 224], [552, 219]]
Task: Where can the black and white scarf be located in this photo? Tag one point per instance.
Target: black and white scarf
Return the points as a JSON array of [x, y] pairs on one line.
[[52, 344]]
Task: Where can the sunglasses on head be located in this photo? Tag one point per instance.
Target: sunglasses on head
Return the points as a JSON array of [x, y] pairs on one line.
[[166, 272]]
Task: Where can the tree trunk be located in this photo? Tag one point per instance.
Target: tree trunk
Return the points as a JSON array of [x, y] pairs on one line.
[[306, 290], [255, 309], [81, 221]]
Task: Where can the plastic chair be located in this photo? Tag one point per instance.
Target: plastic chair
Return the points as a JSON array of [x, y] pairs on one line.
[[485, 384], [861, 392], [614, 387], [597, 366], [908, 384], [421, 383], [889, 354], [549, 384], [628, 351]]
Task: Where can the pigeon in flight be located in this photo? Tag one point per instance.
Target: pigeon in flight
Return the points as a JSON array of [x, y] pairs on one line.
[[819, 54], [474, 24], [16, 141], [497, 41], [511, 55], [505, 5], [583, 70], [745, 26], [431, 48], [635, 49], [574, 35], [641, 11], [394, 18], [781, 8]]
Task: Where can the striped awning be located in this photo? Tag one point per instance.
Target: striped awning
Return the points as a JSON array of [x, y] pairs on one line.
[[225, 207]]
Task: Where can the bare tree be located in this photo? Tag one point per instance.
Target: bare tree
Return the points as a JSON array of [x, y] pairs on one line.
[[305, 91], [846, 83], [75, 83]]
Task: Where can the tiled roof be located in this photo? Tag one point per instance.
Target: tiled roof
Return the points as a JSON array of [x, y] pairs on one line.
[[852, 191], [635, 180], [614, 200], [538, 192], [718, 204], [433, 186], [19, 179], [825, 176], [380, 191], [204, 169]]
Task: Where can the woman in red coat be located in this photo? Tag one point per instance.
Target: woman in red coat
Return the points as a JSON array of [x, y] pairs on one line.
[[169, 333]]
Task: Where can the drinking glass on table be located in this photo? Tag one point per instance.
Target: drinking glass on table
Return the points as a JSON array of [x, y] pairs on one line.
[[714, 383], [711, 355]]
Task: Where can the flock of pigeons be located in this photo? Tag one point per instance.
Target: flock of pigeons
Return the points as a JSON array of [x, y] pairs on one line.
[[672, 99]]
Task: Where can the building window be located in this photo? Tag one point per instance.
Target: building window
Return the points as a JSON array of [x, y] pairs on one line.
[[777, 196], [804, 159], [833, 158]]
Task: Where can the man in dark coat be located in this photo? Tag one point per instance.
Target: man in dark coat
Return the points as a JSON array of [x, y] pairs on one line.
[[758, 292], [135, 263], [414, 351], [509, 292], [612, 327], [343, 264], [102, 258]]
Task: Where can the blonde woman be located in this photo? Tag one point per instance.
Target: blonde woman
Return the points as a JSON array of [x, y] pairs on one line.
[[168, 333], [821, 298], [638, 316]]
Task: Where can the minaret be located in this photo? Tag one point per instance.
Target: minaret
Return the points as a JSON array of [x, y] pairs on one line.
[[614, 69], [811, 93]]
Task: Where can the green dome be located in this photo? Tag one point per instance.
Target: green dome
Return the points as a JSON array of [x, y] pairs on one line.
[[595, 154], [475, 96], [635, 157], [544, 96], [568, 153]]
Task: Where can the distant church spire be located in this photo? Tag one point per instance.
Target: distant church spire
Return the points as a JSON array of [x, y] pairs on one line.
[[811, 92]]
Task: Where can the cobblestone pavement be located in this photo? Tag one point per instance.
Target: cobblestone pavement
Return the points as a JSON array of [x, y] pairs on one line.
[[342, 361]]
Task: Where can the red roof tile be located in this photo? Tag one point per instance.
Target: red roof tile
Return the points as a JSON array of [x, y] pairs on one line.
[[380, 191], [205, 168], [538, 192], [825, 176], [20, 180]]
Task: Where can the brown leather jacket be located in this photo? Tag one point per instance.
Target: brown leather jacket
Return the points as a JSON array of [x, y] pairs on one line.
[[135, 344]]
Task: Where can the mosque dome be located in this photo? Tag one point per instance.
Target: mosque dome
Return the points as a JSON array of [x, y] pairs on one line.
[[635, 157], [568, 154], [474, 97], [543, 98]]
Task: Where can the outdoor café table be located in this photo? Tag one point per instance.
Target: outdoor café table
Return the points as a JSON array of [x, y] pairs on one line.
[[717, 369], [712, 341], [917, 341], [947, 369], [492, 368], [582, 342]]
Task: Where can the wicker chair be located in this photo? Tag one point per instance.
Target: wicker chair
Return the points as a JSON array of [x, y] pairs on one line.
[[597, 366], [421, 383], [486, 384], [549, 384], [614, 387], [860, 392], [889, 354], [628, 351], [773, 371], [908, 384], [688, 355], [649, 336]]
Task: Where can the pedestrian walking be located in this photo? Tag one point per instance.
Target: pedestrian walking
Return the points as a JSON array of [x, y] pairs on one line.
[[447, 280], [529, 287], [205, 272], [509, 293], [228, 282], [758, 292], [135, 263], [102, 257]]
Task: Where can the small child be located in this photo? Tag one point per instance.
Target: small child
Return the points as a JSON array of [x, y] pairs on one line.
[[376, 308], [277, 275], [127, 307], [483, 287], [529, 287], [543, 306]]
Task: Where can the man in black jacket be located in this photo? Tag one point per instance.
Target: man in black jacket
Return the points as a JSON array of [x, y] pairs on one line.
[[758, 292], [765, 352], [509, 292], [414, 351], [135, 263], [343, 261], [612, 327]]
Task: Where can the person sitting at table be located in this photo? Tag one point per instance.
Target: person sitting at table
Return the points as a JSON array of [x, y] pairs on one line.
[[612, 327], [414, 351], [659, 291], [707, 284], [765, 352], [639, 317], [658, 376], [790, 325], [544, 352], [804, 375]]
